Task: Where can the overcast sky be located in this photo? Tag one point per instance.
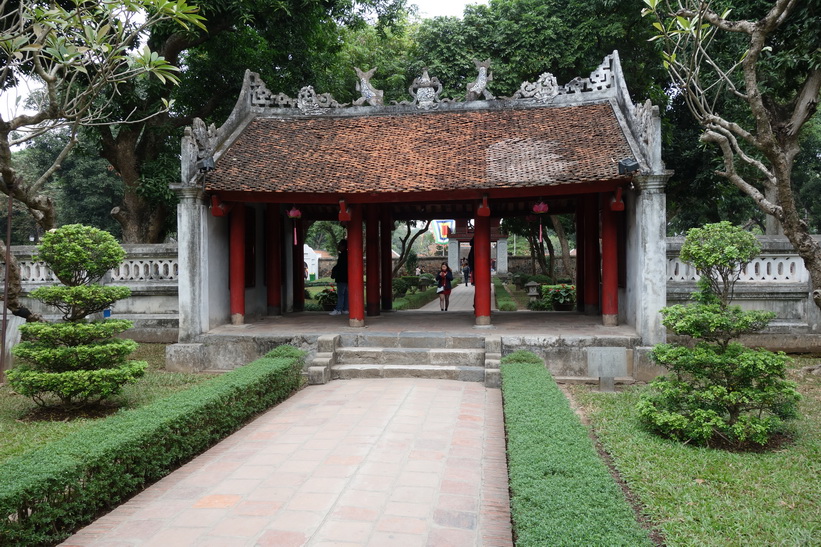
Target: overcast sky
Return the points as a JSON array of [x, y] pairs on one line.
[[437, 8]]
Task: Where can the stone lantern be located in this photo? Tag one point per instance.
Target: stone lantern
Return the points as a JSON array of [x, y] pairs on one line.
[[532, 290]]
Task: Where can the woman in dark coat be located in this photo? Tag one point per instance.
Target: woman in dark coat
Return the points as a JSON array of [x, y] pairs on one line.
[[443, 285]]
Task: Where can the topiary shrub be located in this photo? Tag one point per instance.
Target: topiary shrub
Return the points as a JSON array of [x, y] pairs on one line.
[[400, 287], [720, 393], [79, 362]]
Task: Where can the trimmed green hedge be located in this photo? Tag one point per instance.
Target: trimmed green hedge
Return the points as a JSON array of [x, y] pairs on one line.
[[504, 301], [48, 493], [561, 491]]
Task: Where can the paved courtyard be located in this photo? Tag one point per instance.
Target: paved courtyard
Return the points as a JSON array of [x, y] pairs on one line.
[[360, 462]]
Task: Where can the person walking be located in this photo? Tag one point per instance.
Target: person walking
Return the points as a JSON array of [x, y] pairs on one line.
[[444, 286], [340, 275], [465, 272]]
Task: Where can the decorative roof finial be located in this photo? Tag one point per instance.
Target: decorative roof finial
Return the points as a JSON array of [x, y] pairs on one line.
[[370, 94], [478, 87]]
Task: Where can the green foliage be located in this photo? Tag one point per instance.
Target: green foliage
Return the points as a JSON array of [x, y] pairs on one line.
[[415, 300], [78, 362], [504, 301], [78, 302], [562, 294], [327, 297], [561, 491], [719, 252], [48, 493], [78, 387], [719, 392], [400, 287], [45, 356], [73, 334], [79, 255]]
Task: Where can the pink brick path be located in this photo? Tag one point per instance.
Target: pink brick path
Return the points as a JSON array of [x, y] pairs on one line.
[[390, 462]]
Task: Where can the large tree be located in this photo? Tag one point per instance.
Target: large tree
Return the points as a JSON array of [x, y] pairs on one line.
[[80, 56], [766, 58], [291, 43]]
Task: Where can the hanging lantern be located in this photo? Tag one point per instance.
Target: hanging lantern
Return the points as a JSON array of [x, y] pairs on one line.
[[540, 209], [294, 213]]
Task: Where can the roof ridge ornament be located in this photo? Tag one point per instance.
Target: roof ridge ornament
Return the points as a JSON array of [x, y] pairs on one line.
[[370, 94], [545, 89], [478, 87], [313, 104], [425, 91]]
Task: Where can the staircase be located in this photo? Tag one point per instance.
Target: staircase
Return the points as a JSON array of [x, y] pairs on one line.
[[467, 358]]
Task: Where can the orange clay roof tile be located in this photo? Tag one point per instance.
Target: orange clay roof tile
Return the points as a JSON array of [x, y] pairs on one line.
[[424, 151]]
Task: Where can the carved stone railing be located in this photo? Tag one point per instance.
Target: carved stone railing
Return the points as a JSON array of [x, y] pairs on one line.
[[776, 280], [150, 271]]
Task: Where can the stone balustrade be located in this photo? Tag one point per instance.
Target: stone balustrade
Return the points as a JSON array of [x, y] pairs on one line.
[[777, 281]]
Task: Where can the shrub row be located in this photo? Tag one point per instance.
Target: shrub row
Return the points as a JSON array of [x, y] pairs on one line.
[[561, 491], [48, 493], [415, 300], [504, 301]]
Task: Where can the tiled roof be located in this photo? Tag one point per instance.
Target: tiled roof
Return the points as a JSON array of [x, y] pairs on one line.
[[424, 151]]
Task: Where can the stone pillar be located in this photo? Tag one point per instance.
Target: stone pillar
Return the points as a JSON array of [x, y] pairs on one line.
[[372, 263], [650, 267], [501, 256], [386, 257], [192, 260], [453, 257], [236, 267], [273, 259], [481, 277], [356, 282]]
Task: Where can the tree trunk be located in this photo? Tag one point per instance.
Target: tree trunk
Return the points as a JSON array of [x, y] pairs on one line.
[[407, 245], [15, 287], [559, 229]]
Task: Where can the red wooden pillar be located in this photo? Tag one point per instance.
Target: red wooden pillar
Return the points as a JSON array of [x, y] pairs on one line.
[[386, 257], [372, 255], [236, 260], [610, 266], [299, 266], [273, 259], [610, 258], [591, 254], [356, 282], [481, 260], [580, 253]]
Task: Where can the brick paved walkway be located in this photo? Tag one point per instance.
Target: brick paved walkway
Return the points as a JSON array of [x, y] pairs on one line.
[[389, 462]]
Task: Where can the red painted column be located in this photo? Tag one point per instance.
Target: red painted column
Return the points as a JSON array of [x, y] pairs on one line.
[[372, 255], [356, 282], [386, 257], [299, 266], [481, 260], [273, 259], [236, 261], [580, 253], [610, 267], [591, 254]]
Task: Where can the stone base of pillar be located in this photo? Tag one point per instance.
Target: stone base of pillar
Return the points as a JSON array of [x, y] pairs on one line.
[[483, 320], [610, 320], [356, 322], [238, 319]]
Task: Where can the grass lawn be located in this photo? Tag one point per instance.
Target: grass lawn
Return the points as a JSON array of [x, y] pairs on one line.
[[699, 496], [24, 426]]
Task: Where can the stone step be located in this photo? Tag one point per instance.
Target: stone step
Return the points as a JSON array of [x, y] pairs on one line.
[[436, 372], [410, 356], [413, 340]]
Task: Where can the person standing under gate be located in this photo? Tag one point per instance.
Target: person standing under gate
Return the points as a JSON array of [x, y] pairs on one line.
[[444, 286], [340, 275]]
